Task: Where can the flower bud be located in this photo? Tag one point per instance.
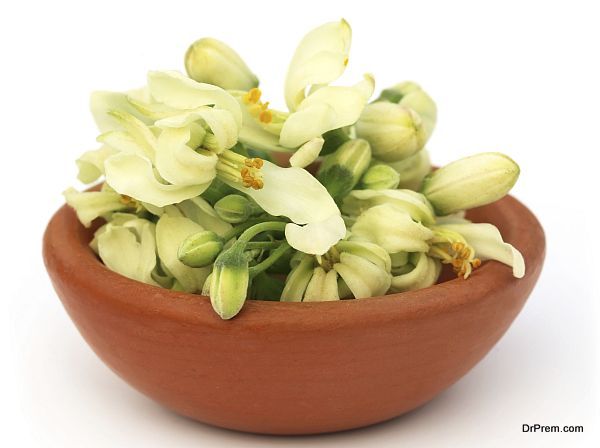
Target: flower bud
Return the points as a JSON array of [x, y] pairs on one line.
[[380, 177], [470, 182], [410, 94], [200, 249], [342, 170], [395, 132], [211, 61], [413, 170], [229, 282], [233, 208]]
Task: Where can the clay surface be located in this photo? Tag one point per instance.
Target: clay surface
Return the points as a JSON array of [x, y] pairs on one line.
[[293, 368]]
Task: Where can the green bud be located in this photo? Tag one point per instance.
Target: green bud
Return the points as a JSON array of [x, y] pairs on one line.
[[211, 61], [380, 177], [342, 170], [410, 94], [200, 249], [395, 132], [470, 182], [413, 170], [229, 282], [234, 208]]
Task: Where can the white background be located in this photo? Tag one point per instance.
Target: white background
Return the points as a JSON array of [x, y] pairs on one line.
[[518, 77]]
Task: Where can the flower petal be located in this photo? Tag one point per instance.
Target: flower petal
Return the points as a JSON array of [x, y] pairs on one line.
[[307, 153], [201, 212], [170, 233], [328, 108], [221, 123], [177, 91], [321, 57], [91, 164], [179, 164], [391, 228], [410, 201], [134, 176], [89, 205], [322, 286], [488, 244], [102, 102], [364, 278], [126, 253], [292, 192], [424, 274], [316, 237]]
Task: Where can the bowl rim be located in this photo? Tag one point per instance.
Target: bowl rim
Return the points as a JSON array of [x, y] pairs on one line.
[[66, 250]]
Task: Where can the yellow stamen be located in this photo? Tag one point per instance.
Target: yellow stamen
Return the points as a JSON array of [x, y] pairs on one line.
[[128, 201], [266, 116], [345, 62], [252, 96]]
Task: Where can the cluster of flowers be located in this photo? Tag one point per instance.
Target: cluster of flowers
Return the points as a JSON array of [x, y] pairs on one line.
[[193, 200]]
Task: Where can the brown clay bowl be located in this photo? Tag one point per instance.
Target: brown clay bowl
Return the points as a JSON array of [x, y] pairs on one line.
[[293, 368]]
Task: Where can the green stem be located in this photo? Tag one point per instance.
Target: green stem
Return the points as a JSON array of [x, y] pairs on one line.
[[246, 225], [263, 244], [259, 228], [268, 262]]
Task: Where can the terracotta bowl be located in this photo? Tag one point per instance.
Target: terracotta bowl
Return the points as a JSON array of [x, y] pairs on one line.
[[293, 368]]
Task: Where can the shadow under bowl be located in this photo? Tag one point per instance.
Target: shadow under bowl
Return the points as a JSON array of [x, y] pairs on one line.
[[293, 368]]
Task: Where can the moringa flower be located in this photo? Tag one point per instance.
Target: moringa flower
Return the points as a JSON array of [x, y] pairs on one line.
[[321, 57], [465, 245], [420, 271], [415, 204], [314, 106], [187, 147], [355, 268], [90, 205], [392, 228], [127, 246]]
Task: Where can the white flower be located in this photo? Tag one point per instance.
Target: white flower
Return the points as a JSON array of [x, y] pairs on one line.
[[127, 246], [423, 272], [315, 106], [321, 57], [295, 193], [392, 228], [466, 240], [415, 204], [90, 205]]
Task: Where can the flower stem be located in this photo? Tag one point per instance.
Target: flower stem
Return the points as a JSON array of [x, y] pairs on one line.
[[248, 224], [254, 230], [272, 258]]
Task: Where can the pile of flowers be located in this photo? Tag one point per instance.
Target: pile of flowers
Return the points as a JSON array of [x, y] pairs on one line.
[[194, 200]]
